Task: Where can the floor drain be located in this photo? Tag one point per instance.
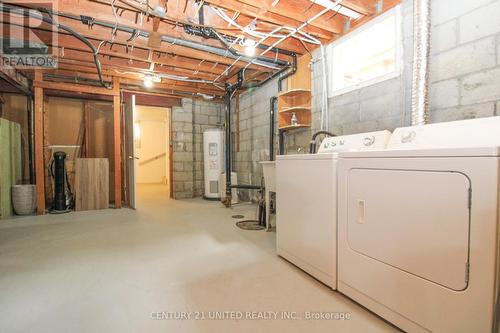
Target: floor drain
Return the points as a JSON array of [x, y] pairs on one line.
[[250, 225], [238, 216]]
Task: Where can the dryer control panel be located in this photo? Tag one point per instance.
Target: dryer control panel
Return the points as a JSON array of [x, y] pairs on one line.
[[362, 141]]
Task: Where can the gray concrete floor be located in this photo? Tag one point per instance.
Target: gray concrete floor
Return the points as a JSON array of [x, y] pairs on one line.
[[108, 271]]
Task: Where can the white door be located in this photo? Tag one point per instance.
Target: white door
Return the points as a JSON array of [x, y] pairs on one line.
[[414, 221], [130, 154]]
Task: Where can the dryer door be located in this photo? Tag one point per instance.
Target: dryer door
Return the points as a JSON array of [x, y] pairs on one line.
[[415, 221]]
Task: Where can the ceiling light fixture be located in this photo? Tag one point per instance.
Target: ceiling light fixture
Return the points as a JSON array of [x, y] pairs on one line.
[[148, 81], [249, 47]]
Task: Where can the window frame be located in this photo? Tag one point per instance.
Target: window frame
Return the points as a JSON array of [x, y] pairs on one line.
[[396, 11]]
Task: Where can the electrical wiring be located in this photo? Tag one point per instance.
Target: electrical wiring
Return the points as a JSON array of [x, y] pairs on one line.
[[113, 32], [37, 15], [172, 77], [254, 33], [170, 20]]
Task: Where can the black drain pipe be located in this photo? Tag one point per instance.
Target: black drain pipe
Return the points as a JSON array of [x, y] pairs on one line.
[[228, 199], [230, 89], [281, 142], [272, 122], [312, 143]]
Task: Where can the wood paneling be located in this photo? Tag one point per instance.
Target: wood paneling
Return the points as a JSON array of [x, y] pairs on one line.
[[91, 183]]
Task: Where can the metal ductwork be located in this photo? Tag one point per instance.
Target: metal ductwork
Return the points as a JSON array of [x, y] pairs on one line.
[[422, 46]]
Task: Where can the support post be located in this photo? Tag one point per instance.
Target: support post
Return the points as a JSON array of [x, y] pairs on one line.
[[39, 158], [117, 142]]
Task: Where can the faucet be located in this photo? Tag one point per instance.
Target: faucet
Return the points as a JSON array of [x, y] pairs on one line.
[[312, 144]]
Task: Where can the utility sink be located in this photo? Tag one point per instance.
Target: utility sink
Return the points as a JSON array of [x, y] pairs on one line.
[[269, 168]]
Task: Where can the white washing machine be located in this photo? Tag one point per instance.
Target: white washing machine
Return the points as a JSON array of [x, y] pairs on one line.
[[418, 235], [306, 204]]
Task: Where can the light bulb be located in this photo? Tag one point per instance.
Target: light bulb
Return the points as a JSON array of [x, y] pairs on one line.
[[148, 81], [249, 47]]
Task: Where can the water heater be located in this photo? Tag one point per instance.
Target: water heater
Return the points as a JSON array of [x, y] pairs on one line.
[[213, 160]]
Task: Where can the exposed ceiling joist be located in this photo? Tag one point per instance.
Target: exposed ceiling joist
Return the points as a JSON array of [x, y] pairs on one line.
[[266, 16], [296, 9], [15, 78], [181, 45]]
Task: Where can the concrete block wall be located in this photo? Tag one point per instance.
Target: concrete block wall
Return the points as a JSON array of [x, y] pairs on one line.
[[464, 75], [464, 68], [188, 123], [254, 108]]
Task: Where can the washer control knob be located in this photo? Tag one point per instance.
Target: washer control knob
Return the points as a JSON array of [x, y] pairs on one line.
[[408, 137], [369, 140]]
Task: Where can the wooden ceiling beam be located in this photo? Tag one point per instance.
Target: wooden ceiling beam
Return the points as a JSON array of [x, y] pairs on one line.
[[212, 20], [166, 85], [172, 85], [387, 5], [64, 86], [165, 63], [15, 78], [100, 33], [296, 9], [103, 12], [364, 7], [110, 70], [264, 15]]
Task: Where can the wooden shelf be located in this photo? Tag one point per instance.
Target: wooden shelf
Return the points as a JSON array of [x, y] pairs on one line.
[[295, 109], [290, 127], [295, 92], [297, 99]]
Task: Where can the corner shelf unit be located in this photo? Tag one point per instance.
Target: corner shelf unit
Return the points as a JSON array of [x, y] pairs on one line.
[[297, 98]]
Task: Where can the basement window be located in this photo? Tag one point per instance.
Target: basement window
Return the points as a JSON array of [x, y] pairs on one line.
[[368, 55]]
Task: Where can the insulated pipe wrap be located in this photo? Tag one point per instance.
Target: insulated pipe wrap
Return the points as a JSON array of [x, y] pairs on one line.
[[422, 46]]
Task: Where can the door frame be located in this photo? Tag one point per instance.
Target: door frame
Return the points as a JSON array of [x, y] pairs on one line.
[[170, 151]]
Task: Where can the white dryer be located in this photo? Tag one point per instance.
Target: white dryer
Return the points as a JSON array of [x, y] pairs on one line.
[[306, 204], [418, 235]]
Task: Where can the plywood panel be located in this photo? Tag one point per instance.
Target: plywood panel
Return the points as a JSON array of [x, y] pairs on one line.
[[10, 163], [100, 136], [91, 183], [16, 109], [65, 117]]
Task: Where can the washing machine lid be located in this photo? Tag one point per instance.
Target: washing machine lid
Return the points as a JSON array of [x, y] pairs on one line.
[[361, 141], [302, 157], [438, 152], [482, 132]]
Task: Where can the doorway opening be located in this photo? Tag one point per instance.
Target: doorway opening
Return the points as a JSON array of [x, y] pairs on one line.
[[152, 141], [148, 152]]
